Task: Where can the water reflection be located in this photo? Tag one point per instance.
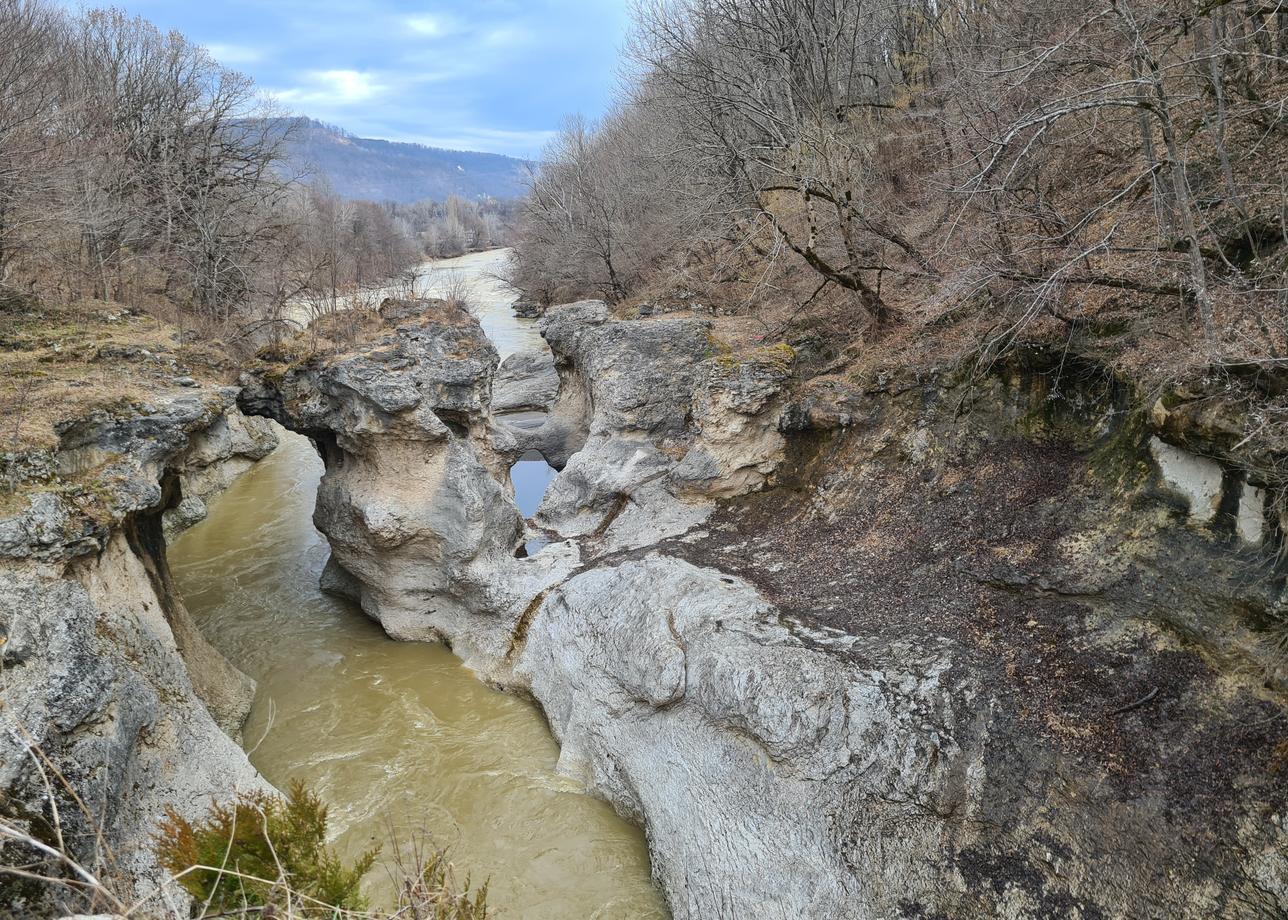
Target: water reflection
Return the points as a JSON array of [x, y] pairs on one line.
[[531, 476]]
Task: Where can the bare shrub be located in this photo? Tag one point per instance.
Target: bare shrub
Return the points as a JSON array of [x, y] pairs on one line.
[[606, 209], [454, 287], [259, 855], [1022, 164]]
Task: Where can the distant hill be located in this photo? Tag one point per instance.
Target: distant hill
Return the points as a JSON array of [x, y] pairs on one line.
[[376, 170]]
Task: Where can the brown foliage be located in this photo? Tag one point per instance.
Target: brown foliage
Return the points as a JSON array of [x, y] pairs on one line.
[[924, 161]]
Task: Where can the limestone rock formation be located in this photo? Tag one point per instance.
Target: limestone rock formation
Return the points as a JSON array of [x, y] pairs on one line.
[[101, 668], [844, 650], [422, 531], [669, 424], [525, 380], [213, 460]]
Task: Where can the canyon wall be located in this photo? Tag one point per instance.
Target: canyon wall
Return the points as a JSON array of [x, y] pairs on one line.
[[842, 647], [114, 705]]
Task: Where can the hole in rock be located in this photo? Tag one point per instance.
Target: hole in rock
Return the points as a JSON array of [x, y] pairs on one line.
[[457, 422], [531, 476]]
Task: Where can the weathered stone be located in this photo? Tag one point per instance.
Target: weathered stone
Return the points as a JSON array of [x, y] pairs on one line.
[[104, 671], [423, 535], [525, 380], [649, 408], [1195, 478], [954, 691], [214, 458], [1250, 523]]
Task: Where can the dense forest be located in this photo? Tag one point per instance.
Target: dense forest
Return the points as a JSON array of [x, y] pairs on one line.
[[903, 167]]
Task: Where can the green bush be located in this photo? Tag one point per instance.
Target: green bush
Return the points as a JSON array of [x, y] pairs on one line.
[[259, 850]]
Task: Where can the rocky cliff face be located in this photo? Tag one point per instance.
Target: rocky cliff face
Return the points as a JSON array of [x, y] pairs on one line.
[[109, 691], [422, 531], [213, 459], [844, 649]]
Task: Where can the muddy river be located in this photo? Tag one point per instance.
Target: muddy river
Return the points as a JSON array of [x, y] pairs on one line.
[[396, 736]]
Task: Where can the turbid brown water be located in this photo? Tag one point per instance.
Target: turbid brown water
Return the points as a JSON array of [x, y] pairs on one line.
[[395, 734]]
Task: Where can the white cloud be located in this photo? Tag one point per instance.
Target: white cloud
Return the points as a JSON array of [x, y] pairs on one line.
[[332, 87], [506, 37], [426, 25], [433, 25], [350, 85]]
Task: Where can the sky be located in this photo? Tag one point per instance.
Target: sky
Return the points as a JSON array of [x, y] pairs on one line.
[[490, 75]]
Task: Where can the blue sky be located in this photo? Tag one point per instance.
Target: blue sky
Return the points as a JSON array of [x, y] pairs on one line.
[[492, 75]]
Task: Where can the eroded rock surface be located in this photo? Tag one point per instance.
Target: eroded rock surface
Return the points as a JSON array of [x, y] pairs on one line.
[[213, 461], [422, 531], [670, 424], [101, 668], [525, 380], [845, 653]]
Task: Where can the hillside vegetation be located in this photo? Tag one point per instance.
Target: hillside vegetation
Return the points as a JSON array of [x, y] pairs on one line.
[[380, 170], [137, 170], [909, 182]]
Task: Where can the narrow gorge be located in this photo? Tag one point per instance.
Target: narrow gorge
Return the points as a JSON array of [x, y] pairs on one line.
[[940, 685], [841, 474], [911, 647]]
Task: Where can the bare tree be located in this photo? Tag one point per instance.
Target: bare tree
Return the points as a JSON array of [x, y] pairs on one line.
[[29, 34], [913, 152], [789, 106], [608, 205]]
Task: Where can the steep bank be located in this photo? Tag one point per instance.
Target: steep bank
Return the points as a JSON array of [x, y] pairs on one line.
[[114, 705], [1006, 663]]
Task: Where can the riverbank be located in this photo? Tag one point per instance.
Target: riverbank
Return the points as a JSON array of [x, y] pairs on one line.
[[476, 278], [114, 706], [395, 736], [841, 648], [340, 703]]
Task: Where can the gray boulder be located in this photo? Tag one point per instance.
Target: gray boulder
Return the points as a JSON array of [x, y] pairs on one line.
[[525, 380]]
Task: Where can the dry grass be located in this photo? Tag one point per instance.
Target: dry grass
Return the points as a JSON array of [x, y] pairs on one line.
[[273, 863], [343, 333], [62, 362]]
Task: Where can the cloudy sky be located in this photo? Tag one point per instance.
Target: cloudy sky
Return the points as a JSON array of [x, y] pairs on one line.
[[492, 75]]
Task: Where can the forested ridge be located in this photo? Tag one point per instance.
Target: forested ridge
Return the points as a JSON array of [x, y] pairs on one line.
[[909, 164], [380, 170]]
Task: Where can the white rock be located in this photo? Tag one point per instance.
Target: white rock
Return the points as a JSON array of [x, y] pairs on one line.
[[1195, 478]]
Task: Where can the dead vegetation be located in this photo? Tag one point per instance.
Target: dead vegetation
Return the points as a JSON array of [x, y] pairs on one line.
[[257, 855], [915, 184], [64, 362]]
